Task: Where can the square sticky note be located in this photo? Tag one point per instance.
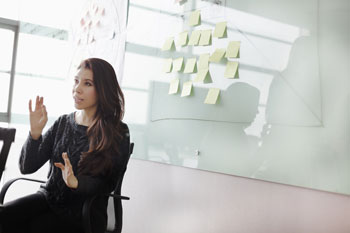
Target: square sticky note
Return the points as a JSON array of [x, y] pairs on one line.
[[194, 39], [178, 64], [233, 49], [231, 69], [203, 62], [186, 89], [212, 96], [183, 38], [217, 55], [195, 18], [203, 76], [220, 30], [174, 86], [168, 64], [190, 65], [205, 37], [169, 44]]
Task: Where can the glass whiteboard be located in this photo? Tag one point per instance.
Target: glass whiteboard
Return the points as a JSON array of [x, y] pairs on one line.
[[268, 124]]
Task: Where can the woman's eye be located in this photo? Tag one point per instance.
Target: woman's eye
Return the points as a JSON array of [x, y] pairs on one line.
[[88, 84]]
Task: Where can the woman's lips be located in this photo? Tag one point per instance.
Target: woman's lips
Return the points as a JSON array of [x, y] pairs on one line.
[[78, 100]]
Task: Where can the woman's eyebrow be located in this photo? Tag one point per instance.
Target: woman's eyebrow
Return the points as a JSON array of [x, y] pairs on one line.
[[86, 79]]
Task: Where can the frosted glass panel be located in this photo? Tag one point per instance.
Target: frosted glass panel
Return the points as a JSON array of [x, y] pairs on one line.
[[280, 121]]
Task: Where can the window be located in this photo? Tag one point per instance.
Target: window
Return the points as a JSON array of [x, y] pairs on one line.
[[8, 35]]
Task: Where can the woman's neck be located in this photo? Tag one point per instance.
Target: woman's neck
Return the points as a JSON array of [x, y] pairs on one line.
[[83, 117]]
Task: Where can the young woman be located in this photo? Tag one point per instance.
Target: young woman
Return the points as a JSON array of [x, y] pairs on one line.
[[87, 151]]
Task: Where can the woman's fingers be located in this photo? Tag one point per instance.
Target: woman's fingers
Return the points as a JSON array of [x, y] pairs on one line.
[[30, 106], [39, 101], [66, 162], [66, 159], [59, 165], [43, 109]]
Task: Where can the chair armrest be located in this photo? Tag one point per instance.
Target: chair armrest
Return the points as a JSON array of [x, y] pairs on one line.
[[10, 182], [118, 196], [87, 206]]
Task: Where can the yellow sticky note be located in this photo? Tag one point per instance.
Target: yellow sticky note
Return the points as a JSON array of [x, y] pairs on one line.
[[231, 69], [217, 55], [186, 89], [203, 76], [233, 49], [183, 38], [195, 18], [194, 39], [205, 37], [174, 86], [169, 44], [203, 62], [178, 64], [190, 65], [168, 64], [220, 30], [212, 96]]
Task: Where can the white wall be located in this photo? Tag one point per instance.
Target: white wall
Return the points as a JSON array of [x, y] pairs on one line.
[[166, 198]]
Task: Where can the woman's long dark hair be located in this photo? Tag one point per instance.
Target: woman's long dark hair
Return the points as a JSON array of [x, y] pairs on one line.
[[105, 132]]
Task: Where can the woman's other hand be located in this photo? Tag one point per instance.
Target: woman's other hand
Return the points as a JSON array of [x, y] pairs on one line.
[[67, 172], [38, 117]]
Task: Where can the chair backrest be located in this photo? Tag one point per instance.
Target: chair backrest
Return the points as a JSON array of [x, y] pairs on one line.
[[7, 136], [118, 208]]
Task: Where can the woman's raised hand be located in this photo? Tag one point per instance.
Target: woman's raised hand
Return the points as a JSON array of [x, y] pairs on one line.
[[38, 117]]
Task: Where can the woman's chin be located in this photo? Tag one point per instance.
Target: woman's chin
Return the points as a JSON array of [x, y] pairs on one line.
[[78, 107]]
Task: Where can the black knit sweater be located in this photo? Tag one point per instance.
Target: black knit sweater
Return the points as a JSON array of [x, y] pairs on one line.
[[67, 136]]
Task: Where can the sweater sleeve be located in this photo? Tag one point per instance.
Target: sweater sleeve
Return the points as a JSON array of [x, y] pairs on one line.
[[93, 185], [35, 153]]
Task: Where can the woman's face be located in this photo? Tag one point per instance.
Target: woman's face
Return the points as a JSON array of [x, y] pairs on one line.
[[84, 91]]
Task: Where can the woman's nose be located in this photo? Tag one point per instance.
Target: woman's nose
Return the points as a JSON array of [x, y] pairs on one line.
[[77, 88]]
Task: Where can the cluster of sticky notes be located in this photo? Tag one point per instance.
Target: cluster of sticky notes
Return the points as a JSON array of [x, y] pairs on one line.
[[200, 67]]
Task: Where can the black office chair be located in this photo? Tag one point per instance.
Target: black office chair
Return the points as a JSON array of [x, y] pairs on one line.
[[7, 136], [117, 201], [117, 198]]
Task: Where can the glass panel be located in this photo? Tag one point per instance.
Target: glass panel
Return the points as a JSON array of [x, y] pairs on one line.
[[6, 48], [54, 91], [4, 91], [9, 9], [46, 75], [42, 56], [274, 122]]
